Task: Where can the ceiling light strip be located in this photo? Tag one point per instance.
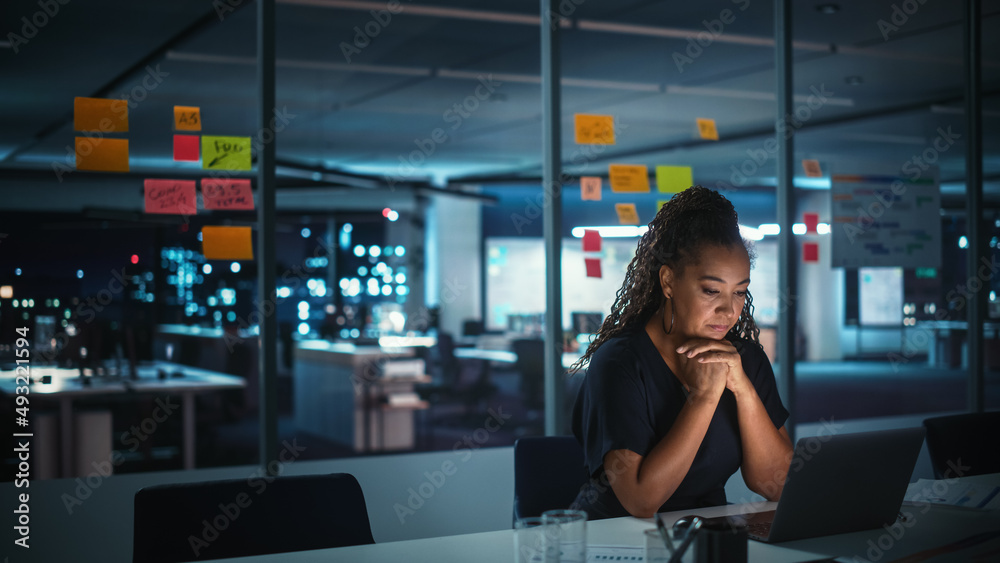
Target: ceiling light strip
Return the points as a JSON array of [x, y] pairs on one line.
[[419, 10], [749, 95]]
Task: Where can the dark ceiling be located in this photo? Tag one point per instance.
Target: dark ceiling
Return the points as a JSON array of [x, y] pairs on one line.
[[888, 92]]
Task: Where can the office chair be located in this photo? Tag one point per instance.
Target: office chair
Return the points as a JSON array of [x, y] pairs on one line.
[[242, 517], [966, 440], [548, 473]]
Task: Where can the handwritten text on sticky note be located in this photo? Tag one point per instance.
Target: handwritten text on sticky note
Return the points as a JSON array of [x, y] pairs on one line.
[[594, 129], [629, 177], [225, 153], [226, 194], [170, 196]]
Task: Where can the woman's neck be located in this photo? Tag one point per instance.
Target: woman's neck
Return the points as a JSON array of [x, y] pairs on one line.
[[666, 345]]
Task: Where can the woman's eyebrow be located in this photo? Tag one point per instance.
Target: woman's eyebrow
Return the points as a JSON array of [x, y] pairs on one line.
[[720, 280]]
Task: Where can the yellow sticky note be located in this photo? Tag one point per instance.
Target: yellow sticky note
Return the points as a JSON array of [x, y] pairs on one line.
[[187, 118], [100, 114], [812, 169], [590, 188], [594, 129], [226, 243], [627, 215], [673, 179], [707, 130], [629, 177], [225, 153], [102, 154]]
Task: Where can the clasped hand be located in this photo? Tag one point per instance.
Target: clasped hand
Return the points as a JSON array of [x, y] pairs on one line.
[[713, 365]]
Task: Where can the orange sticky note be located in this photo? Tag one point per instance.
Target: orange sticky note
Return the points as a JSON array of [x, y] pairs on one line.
[[593, 267], [591, 240], [100, 114], [627, 215], [812, 169], [226, 243], [707, 130], [629, 177], [218, 193], [103, 154], [594, 129], [187, 118], [590, 188], [810, 252], [170, 196]]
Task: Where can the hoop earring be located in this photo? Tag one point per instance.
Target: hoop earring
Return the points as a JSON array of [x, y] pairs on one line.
[[666, 330]]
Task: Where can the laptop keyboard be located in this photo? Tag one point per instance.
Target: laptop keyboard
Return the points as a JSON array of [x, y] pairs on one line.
[[759, 523]]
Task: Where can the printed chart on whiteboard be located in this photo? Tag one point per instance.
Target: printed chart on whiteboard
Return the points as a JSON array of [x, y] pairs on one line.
[[885, 220]]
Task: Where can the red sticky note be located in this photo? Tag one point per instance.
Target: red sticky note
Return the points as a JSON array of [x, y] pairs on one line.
[[220, 193], [170, 196], [810, 252], [591, 240], [811, 220], [593, 267], [187, 147]]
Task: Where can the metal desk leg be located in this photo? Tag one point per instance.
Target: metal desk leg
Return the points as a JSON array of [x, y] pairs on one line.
[[188, 407], [66, 436]]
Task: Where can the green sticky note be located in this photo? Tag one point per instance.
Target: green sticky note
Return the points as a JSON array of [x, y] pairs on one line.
[[225, 153], [673, 179]]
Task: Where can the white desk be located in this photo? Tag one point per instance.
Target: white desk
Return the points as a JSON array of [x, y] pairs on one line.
[[66, 386], [938, 526]]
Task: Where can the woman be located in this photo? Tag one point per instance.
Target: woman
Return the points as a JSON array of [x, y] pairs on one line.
[[679, 394]]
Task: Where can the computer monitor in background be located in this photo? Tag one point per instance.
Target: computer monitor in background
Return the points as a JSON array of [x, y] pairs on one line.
[[586, 323]]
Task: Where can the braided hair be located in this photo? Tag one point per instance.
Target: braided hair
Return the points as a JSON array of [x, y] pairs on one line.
[[692, 219]]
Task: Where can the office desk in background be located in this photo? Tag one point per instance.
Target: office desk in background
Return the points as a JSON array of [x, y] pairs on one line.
[[939, 526], [67, 386]]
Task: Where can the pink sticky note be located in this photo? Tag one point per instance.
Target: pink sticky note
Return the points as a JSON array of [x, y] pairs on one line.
[[187, 148], [226, 194], [591, 240], [810, 252], [811, 220], [590, 188], [171, 196], [593, 267]]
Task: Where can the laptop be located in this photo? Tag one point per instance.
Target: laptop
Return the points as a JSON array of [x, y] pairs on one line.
[[839, 484]]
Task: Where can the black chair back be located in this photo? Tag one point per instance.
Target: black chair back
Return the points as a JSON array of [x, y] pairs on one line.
[[242, 517], [966, 443], [548, 474]]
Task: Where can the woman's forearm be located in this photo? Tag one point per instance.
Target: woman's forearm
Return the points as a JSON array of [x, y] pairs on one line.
[[767, 451]]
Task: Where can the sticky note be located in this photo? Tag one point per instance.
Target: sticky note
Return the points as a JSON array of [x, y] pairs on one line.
[[187, 118], [187, 148], [707, 130], [627, 215], [593, 267], [226, 243], [103, 154], [170, 196], [810, 252], [225, 153], [100, 114], [594, 129], [220, 193], [590, 188], [811, 220], [629, 177], [673, 179], [812, 169], [591, 240]]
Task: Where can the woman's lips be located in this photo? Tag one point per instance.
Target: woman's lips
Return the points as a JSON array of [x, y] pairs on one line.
[[719, 328]]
